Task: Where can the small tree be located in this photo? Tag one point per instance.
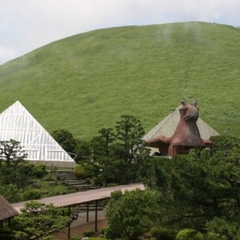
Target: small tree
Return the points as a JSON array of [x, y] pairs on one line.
[[130, 214], [38, 220], [12, 153], [82, 150], [65, 139]]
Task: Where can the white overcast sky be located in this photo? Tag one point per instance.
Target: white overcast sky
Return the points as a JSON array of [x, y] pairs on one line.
[[28, 24]]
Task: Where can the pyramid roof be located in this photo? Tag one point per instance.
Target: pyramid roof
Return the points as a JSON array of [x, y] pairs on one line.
[[6, 209], [18, 124], [169, 124]]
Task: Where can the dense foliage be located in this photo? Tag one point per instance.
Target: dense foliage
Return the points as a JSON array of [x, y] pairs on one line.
[[117, 154], [12, 153], [130, 214], [189, 234], [65, 139], [21, 180], [200, 190], [38, 220]]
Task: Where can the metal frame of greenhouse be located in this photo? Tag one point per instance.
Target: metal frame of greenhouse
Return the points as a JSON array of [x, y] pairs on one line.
[[18, 124]]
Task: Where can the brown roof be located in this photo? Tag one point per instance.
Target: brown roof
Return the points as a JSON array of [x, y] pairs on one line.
[[169, 124], [82, 197], [6, 209]]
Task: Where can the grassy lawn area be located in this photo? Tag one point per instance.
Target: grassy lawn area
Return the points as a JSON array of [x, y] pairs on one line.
[[85, 82]]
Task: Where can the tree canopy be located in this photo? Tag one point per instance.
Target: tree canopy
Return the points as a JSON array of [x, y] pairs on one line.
[[117, 153], [130, 214], [38, 220], [65, 139], [200, 190], [12, 153]]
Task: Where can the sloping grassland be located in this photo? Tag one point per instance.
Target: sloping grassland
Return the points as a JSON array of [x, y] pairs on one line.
[[86, 82]]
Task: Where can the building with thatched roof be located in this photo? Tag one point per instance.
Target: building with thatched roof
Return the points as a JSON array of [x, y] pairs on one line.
[[6, 209], [169, 124]]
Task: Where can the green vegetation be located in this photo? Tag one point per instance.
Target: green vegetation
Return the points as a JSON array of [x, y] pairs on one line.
[[38, 220], [189, 234], [88, 233], [194, 196], [85, 82], [21, 180], [37, 188], [130, 214], [116, 155]]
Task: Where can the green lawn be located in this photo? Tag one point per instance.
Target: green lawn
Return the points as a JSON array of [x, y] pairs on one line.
[[86, 82]]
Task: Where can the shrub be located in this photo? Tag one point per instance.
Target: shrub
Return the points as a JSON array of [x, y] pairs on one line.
[[26, 169], [161, 233], [109, 233], [6, 233], [80, 172], [11, 192], [39, 170], [112, 184], [96, 181], [102, 230], [88, 233], [31, 194], [189, 234], [96, 238], [76, 237], [88, 180]]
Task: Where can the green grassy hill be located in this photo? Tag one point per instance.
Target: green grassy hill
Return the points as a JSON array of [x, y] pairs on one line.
[[86, 82]]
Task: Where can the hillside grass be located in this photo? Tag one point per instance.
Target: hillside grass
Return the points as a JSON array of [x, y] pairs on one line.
[[86, 82]]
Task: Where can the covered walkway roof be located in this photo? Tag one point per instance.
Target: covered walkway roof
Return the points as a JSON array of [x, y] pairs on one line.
[[6, 209], [74, 199]]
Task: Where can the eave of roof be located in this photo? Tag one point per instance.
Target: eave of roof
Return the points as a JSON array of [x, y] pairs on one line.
[[6, 209], [74, 199]]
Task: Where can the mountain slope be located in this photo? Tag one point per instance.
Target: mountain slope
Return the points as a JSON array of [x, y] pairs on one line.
[[86, 82]]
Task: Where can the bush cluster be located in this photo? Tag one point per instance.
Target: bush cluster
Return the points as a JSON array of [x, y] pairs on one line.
[[88, 233], [161, 233], [189, 234]]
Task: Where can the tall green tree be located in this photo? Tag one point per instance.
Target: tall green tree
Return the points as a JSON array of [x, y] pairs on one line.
[[99, 162], [102, 155], [117, 153], [199, 188], [82, 150], [130, 149]]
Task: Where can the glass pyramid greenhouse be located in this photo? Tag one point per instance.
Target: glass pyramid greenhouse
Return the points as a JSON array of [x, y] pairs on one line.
[[18, 124]]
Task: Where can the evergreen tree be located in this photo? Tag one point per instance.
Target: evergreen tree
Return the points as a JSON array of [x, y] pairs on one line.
[[199, 190], [130, 149], [100, 162], [65, 139], [37, 220], [117, 154]]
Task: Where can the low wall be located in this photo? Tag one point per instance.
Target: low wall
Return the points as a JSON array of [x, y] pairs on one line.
[[54, 164]]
